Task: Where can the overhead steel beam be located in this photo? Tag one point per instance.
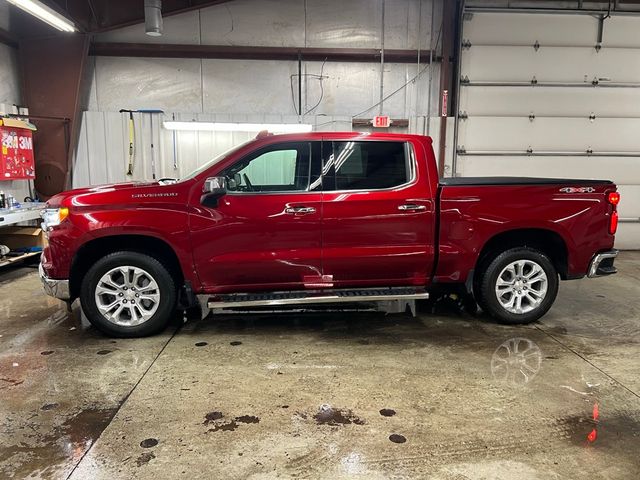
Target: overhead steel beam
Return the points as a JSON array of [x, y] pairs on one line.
[[255, 53]]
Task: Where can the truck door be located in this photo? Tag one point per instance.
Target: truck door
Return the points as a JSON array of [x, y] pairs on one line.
[[264, 234], [378, 214]]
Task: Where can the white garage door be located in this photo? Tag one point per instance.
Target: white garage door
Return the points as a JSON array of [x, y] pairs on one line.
[[539, 99]]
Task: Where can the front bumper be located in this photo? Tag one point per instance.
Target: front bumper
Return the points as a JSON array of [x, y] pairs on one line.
[[55, 288], [602, 264]]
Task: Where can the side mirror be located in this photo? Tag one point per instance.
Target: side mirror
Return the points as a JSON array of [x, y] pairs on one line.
[[212, 190]]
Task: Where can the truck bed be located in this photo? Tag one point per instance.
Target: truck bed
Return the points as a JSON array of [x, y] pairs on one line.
[[574, 214]]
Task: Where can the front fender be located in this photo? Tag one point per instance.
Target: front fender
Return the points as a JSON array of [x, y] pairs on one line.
[[169, 226]]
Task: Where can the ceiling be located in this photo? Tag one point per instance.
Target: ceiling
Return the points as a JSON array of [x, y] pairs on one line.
[[91, 16]]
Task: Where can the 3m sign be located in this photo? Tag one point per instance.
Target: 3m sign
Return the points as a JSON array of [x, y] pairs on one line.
[[16, 156], [381, 121]]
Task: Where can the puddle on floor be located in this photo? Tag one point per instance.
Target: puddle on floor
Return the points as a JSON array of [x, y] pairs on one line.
[[45, 455], [328, 415]]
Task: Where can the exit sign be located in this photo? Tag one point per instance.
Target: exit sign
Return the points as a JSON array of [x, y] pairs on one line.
[[381, 121]]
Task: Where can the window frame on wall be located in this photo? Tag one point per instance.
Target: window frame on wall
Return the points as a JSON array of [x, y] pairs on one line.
[[313, 173], [329, 178]]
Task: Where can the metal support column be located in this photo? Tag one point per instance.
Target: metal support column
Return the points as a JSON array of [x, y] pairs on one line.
[[460, 30], [448, 42], [52, 73]]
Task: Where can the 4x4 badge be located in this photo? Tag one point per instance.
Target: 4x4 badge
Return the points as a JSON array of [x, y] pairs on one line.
[[577, 190]]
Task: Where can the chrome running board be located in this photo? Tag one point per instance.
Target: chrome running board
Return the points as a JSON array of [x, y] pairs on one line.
[[307, 297]]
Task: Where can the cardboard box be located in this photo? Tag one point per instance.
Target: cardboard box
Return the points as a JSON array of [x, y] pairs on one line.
[[22, 238]]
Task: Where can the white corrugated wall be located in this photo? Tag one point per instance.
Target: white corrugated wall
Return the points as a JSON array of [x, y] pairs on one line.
[[251, 90]]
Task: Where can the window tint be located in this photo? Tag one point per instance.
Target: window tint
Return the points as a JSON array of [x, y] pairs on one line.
[[367, 166], [277, 168]]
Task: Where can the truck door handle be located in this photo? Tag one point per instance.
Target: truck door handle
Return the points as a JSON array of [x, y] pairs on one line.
[[411, 207], [299, 210]]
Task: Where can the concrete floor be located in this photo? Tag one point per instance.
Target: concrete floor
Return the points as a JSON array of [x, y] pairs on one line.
[[325, 395]]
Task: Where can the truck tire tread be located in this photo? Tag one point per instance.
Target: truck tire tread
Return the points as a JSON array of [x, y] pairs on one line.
[[487, 298], [162, 276]]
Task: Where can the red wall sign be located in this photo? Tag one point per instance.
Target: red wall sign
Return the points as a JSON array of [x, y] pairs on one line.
[[381, 121], [445, 98], [16, 156]]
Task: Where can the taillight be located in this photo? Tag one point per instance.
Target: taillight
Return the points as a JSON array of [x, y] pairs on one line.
[[614, 198], [613, 223]]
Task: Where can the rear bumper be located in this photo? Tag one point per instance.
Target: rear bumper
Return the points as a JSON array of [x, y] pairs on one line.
[[602, 264], [53, 287]]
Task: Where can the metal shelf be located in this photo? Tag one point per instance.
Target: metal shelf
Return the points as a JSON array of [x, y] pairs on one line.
[[18, 258], [18, 215]]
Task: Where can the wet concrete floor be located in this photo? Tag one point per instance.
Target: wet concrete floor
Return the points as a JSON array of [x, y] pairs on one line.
[[447, 395]]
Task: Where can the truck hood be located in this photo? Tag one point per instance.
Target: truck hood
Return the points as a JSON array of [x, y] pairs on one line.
[[64, 198]]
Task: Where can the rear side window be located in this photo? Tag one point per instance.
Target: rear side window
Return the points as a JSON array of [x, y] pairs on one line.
[[366, 166]]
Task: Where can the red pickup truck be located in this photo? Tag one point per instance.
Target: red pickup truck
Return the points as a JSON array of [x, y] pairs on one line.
[[323, 218]]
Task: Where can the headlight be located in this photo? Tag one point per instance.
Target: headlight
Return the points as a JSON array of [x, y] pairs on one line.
[[52, 217]]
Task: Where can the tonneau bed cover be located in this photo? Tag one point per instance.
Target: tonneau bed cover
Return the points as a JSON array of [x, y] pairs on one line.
[[462, 181]]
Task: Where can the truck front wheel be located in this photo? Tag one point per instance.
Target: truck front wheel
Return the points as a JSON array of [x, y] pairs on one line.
[[518, 286], [128, 294]]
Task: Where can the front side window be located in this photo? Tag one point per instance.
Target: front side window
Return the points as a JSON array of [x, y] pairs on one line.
[[276, 168], [215, 160], [367, 166]]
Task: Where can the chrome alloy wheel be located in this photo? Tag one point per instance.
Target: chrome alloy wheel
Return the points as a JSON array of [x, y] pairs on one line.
[[521, 286], [127, 296]]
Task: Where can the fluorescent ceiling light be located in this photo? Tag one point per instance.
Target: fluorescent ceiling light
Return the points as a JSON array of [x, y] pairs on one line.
[[44, 13], [240, 127]]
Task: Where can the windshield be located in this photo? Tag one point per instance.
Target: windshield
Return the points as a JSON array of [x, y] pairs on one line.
[[215, 160]]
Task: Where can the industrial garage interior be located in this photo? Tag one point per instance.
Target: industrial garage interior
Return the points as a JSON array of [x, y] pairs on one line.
[[420, 381]]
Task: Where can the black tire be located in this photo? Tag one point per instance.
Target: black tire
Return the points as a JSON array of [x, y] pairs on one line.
[[488, 298], [166, 287], [477, 292]]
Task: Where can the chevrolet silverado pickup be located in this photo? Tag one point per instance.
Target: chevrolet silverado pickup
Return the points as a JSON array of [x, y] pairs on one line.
[[315, 218]]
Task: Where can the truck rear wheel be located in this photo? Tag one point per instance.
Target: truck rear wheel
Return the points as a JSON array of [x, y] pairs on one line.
[[128, 294], [518, 286]]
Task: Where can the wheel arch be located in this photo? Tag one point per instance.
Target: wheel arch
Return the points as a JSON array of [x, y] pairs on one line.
[[547, 241], [97, 248]]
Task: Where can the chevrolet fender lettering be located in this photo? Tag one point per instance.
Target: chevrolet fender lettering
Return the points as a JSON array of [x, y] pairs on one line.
[[154, 195]]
